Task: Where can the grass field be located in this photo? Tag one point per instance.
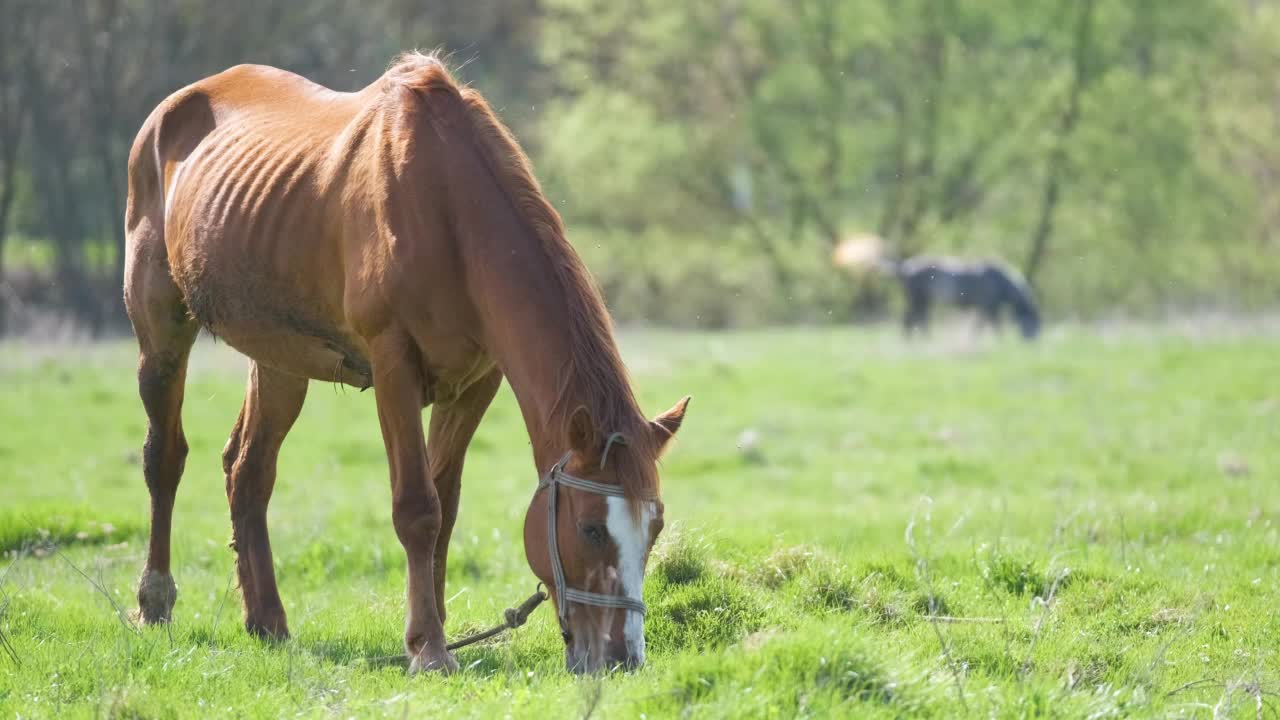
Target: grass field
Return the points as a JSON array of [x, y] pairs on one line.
[[1097, 518]]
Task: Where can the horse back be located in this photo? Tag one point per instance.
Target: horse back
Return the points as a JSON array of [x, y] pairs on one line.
[[238, 185]]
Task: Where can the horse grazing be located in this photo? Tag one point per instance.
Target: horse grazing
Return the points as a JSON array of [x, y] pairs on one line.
[[392, 238], [987, 286]]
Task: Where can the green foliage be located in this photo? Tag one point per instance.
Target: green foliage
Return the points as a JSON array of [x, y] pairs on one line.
[[697, 608], [1015, 576], [785, 564], [931, 124], [831, 588], [706, 155], [680, 561], [816, 672], [705, 615]]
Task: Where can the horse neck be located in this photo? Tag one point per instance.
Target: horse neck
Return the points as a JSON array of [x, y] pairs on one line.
[[539, 318], [531, 327]]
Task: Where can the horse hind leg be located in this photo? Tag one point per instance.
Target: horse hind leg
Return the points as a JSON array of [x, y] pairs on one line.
[[165, 335], [272, 403]]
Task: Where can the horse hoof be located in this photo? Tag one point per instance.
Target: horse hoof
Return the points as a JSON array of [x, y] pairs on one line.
[[271, 630], [156, 595], [425, 662]]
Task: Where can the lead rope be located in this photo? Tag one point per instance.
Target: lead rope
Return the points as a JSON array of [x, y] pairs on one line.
[[512, 619]]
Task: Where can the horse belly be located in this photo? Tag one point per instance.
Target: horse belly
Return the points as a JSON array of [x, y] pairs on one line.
[[947, 289], [308, 356], [281, 324]]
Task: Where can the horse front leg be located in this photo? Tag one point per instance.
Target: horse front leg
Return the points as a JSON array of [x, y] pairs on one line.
[[452, 426], [415, 505], [916, 315], [991, 314]]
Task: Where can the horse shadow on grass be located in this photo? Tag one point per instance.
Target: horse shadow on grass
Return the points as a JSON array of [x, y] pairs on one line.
[[373, 653], [483, 659], [349, 651]]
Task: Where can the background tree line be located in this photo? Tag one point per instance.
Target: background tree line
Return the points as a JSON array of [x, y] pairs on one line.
[[708, 156]]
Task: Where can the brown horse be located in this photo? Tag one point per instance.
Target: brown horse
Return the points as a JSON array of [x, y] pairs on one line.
[[392, 238]]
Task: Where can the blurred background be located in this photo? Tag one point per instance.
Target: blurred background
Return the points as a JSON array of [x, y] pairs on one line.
[[709, 157]]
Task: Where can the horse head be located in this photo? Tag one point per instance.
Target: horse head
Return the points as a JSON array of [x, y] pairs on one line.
[[589, 531], [1027, 315]]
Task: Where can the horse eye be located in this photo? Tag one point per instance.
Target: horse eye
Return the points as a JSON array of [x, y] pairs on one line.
[[594, 534]]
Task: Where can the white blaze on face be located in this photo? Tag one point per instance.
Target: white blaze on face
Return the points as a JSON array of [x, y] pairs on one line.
[[631, 536]]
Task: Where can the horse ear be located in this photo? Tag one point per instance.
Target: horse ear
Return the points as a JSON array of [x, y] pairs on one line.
[[665, 425], [583, 439]]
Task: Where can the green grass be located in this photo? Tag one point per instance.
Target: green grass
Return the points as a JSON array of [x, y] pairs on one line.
[[1098, 514]]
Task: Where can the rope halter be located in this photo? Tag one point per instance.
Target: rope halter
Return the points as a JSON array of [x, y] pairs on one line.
[[554, 478]]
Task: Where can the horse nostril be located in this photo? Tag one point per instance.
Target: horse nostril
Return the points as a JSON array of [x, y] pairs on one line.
[[567, 636]]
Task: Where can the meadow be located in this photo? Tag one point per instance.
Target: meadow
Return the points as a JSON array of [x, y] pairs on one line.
[[856, 526]]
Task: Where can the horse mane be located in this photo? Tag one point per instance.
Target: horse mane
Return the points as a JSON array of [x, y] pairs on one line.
[[594, 376]]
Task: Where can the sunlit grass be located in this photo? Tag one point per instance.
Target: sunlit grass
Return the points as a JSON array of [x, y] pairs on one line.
[[857, 526]]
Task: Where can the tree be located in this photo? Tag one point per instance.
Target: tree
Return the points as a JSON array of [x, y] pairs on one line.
[[1080, 58]]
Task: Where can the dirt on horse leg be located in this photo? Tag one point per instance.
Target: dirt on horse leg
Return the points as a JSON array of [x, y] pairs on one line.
[[271, 405]]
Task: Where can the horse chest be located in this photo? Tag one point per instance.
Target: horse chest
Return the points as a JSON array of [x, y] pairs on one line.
[[447, 382]]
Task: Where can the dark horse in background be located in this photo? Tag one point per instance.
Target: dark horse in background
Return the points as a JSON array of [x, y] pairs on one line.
[[987, 286]]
